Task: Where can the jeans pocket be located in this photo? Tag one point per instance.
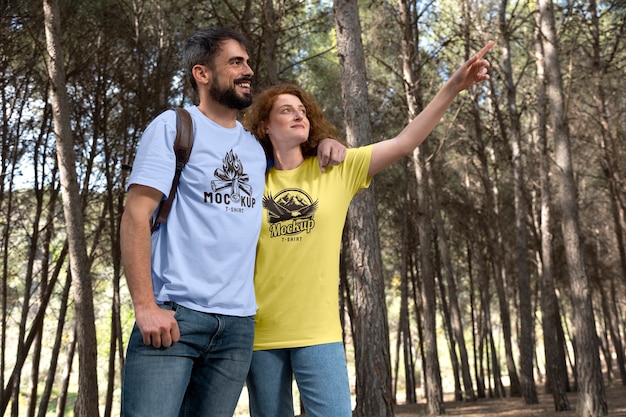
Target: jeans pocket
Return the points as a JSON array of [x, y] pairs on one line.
[[172, 306]]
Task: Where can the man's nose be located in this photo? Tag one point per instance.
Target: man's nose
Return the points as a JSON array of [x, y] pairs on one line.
[[248, 70]]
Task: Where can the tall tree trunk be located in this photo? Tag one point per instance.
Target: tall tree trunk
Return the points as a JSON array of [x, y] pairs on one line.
[[445, 312], [415, 286], [434, 389], [606, 140], [49, 279], [346, 304], [113, 206], [22, 349], [409, 59], [494, 235], [495, 246], [404, 328], [373, 364], [597, 280], [58, 338], [46, 257], [526, 339], [611, 341], [493, 226], [10, 150], [615, 309], [65, 378], [591, 395], [87, 400], [555, 367], [411, 73], [271, 24], [35, 329], [480, 381], [492, 360], [604, 286], [456, 320]]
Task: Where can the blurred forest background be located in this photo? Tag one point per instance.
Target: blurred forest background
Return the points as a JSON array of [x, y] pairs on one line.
[[496, 264]]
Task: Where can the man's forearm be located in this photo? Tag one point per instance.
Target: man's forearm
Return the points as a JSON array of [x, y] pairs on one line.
[[136, 254]]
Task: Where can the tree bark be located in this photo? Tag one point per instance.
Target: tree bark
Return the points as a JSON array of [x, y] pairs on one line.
[[65, 378], [404, 327], [447, 324], [434, 389], [271, 24], [591, 395], [480, 381], [526, 339], [87, 400], [456, 320], [58, 339], [606, 287], [371, 338], [22, 349], [605, 139], [555, 366], [495, 245], [496, 389]]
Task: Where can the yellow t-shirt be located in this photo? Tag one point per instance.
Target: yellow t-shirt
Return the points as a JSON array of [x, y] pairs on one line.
[[297, 265]]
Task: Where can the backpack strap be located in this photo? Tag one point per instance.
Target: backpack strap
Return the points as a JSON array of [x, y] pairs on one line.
[[182, 148]]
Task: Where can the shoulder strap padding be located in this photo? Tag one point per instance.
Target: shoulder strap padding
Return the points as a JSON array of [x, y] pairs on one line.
[[182, 149], [184, 135]]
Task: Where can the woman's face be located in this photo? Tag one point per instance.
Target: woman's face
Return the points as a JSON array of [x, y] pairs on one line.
[[288, 123]]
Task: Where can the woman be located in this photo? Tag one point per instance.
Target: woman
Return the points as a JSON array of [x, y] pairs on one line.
[[298, 331]]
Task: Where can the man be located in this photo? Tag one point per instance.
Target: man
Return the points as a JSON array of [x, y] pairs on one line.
[[191, 281]]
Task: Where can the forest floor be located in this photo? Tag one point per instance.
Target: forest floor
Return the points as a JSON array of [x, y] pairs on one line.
[[515, 407]]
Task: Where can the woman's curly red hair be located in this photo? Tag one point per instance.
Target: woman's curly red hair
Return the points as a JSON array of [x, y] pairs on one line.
[[257, 115]]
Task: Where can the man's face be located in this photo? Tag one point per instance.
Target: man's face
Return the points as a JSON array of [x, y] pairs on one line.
[[232, 78]]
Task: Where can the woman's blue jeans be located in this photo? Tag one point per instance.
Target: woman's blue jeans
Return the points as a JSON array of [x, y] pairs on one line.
[[321, 375], [200, 375]]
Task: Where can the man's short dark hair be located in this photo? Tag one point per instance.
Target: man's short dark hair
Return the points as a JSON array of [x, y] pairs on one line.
[[202, 47]]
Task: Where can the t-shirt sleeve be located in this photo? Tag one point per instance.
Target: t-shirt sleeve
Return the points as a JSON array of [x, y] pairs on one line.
[[155, 161], [355, 167]]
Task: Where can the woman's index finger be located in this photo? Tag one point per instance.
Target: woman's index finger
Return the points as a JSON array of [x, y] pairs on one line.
[[485, 49]]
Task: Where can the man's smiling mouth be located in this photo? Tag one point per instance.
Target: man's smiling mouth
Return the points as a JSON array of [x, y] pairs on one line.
[[247, 84]]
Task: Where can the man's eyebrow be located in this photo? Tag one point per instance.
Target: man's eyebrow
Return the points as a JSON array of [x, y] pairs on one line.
[[239, 58]]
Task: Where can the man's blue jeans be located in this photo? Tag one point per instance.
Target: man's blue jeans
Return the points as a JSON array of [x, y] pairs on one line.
[[321, 375], [200, 375]]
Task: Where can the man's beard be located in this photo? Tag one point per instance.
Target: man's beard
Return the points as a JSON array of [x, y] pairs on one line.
[[230, 98]]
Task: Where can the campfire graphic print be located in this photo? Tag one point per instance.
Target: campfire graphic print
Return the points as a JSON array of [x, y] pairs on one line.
[[290, 212], [231, 177]]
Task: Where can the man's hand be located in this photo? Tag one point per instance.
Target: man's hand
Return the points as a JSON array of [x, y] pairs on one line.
[[158, 327], [329, 153]]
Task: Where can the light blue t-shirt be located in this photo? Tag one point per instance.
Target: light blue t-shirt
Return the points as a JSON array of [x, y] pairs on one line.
[[203, 257]]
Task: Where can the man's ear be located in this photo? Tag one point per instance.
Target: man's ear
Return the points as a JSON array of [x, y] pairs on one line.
[[201, 74]]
